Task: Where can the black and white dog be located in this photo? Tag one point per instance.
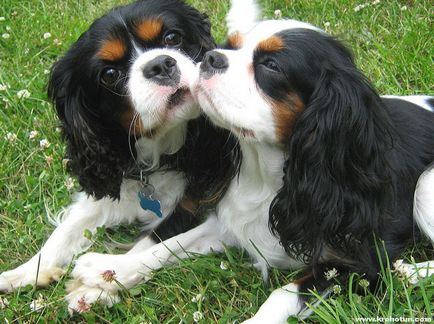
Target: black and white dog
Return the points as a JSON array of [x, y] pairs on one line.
[[133, 138], [328, 166]]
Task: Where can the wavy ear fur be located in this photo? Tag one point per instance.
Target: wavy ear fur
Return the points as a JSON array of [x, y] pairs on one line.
[[336, 178], [98, 153], [200, 33]]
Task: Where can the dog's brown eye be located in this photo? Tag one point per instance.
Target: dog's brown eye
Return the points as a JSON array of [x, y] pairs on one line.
[[271, 65], [173, 38], [110, 76]]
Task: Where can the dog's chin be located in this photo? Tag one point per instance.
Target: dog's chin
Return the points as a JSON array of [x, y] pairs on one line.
[[206, 103], [177, 107]]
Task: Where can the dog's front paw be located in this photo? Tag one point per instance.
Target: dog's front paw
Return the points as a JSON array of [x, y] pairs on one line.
[[414, 272], [28, 274], [97, 278], [81, 297], [109, 272]]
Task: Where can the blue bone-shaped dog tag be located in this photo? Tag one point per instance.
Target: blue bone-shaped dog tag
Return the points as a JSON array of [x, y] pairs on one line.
[[147, 202]]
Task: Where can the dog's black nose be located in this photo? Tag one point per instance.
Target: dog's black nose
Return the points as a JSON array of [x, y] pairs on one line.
[[162, 70], [214, 62]]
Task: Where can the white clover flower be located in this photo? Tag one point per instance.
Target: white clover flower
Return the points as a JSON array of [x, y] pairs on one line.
[[33, 134], [8, 28], [3, 303], [224, 265], [3, 87], [404, 8], [277, 14], [333, 273], [198, 298], [44, 143], [360, 7], [6, 35], [197, 316], [69, 183], [364, 283], [23, 94], [37, 304], [46, 71], [47, 35], [327, 24], [375, 2], [108, 275], [2, 18], [337, 289], [11, 137], [82, 305]]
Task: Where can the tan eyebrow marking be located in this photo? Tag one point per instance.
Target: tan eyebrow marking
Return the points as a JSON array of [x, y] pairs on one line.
[[235, 40], [149, 29], [112, 50], [271, 44]]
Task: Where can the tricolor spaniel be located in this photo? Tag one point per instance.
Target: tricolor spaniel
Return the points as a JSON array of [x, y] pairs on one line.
[[329, 168], [128, 118]]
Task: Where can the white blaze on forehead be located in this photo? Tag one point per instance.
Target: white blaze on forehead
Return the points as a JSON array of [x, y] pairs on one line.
[[185, 65], [267, 28], [233, 100]]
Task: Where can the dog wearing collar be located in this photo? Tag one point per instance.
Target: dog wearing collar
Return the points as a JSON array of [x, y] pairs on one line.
[[133, 138]]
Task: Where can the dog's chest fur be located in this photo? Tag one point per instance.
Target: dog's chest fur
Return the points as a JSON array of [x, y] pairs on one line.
[[244, 209]]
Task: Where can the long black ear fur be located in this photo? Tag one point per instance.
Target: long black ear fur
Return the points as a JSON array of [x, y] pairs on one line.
[[336, 178], [202, 30], [98, 153]]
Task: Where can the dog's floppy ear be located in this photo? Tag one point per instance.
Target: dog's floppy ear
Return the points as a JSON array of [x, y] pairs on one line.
[[206, 40], [98, 154], [335, 177], [201, 32]]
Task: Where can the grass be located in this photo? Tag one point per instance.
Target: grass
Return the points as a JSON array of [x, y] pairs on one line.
[[393, 43]]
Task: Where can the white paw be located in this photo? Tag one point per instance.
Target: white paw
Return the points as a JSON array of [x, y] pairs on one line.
[[81, 297], [109, 272], [27, 274], [413, 272]]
